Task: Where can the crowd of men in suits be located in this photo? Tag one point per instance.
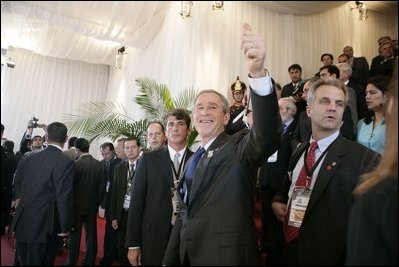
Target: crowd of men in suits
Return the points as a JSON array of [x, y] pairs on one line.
[[170, 206]]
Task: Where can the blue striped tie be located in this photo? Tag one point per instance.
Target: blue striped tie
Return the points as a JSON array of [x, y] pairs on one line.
[[191, 167]]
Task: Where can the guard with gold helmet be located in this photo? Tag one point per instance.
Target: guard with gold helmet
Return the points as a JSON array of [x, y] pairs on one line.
[[237, 109]]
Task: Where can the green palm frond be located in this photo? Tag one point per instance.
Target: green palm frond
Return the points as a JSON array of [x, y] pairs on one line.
[[106, 119], [185, 99], [114, 128], [154, 98], [94, 112]]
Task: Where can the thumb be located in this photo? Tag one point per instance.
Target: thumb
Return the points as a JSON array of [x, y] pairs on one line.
[[246, 27]]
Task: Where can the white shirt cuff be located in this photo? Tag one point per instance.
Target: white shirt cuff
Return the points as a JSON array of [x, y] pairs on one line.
[[261, 86]]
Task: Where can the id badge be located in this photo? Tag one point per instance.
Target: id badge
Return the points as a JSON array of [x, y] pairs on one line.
[[299, 202], [126, 202]]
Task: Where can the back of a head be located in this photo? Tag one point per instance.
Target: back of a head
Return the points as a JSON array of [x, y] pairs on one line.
[[8, 146], [71, 141], [82, 144], [332, 69], [57, 132]]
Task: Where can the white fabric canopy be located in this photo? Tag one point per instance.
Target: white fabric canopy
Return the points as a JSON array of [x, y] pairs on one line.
[[201, 52]]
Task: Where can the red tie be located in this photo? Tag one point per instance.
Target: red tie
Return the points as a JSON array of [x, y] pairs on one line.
[[291, 232]]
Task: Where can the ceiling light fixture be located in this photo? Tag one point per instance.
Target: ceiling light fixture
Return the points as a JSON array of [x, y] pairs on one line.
[[119, 58], [185, 10], [217, 5], [362, 10]]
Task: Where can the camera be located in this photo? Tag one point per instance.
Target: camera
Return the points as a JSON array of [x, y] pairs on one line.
[[33, 122]]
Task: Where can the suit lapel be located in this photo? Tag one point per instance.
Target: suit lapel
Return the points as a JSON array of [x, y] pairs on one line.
[[166, 167], [333, 158]]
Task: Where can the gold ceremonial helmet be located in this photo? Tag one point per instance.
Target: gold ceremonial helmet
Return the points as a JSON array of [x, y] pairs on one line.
[[238, 86]]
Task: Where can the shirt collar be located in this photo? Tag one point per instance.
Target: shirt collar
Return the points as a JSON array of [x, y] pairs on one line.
[[326, 141], [172, 152]]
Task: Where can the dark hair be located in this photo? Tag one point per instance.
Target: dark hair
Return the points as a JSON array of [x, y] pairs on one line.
[[2, 128], [332, 69], [132, 139], [107, 144], [157, 122], [57, 132], [8, 146], [180, 114], [71, 141], [326, 54], [382, 84], [82, 144], [295, 67]]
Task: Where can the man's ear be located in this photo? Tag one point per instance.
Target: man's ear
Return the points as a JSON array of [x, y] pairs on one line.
[[226, 118], [308, 111]]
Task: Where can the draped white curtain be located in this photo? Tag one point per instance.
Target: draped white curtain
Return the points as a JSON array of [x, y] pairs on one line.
[[201, 52], [47, 88], [204, 51]]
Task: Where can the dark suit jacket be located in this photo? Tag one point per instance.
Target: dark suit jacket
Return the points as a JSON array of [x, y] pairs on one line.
[[106, 202], [322, 236], [150, 212], [43, 177], [272, 174], [360, 70], [383, 67], [217, 226], [119, 185], [373, 226], [88, 185], [287, 91]]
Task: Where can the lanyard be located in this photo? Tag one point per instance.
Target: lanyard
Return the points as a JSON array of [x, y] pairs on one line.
[[176, 173], [310, 172]]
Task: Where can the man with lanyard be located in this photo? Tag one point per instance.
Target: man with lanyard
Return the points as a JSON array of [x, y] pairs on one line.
[[121, 194], [154, 205], [315, 204]]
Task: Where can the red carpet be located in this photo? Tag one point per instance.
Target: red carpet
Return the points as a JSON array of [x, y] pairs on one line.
[[7, 253]]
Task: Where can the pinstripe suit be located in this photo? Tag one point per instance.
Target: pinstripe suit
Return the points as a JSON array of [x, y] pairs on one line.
[[217, 227]]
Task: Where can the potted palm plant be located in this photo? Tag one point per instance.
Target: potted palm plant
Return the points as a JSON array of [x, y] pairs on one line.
[[107, 119]]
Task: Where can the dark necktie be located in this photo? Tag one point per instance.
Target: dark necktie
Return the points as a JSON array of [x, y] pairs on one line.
[[191, 167], [284, 128], [131, 171], [290, 232]]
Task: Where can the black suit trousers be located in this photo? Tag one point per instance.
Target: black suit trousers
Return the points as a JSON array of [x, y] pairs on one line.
[[38, 254]]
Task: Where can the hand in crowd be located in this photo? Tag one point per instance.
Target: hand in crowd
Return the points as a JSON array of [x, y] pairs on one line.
[[279, 210], [134, 256], [253, 48], [115, 224]]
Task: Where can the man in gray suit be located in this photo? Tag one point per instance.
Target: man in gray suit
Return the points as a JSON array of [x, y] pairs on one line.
[[314, 205], [43, 190], [215, 225]]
